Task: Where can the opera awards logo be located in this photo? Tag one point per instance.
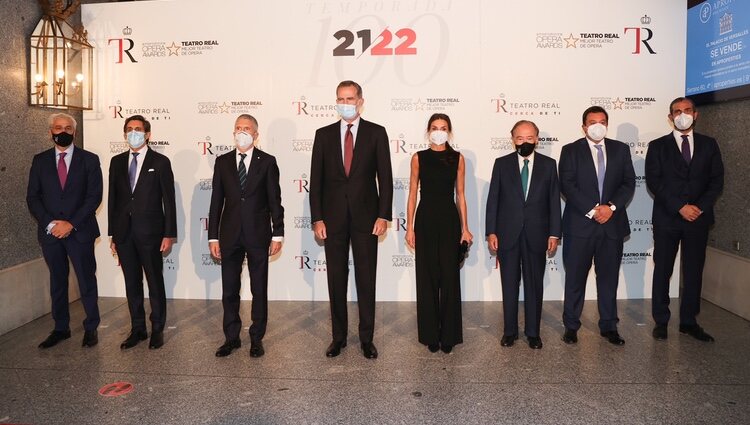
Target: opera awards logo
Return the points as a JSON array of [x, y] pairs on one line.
[[233, 107], [428, 104], [623, 102]]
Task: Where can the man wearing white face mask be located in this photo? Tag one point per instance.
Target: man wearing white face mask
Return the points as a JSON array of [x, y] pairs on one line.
[[598, 181], [142, 221], [685, 174], [245, 220], [351, 190]]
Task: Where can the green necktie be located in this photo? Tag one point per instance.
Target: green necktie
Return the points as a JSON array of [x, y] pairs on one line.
[[525, 177]]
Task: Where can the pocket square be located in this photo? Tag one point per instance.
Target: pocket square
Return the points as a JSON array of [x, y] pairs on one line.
[[150, 170]]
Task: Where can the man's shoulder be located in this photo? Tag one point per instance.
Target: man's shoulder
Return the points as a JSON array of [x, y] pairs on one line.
[[662, 139], [41, 155], [85, 153], [364, 124], [572, 145], [703, 137]]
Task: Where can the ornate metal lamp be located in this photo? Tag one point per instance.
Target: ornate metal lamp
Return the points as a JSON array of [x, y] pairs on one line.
[[61, 59]]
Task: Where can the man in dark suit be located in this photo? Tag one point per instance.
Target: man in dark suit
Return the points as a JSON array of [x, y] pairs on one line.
[[65, 189], [245, 219], [523, 223], [351, 190], [598, 181], [685, 174], [142, 224]]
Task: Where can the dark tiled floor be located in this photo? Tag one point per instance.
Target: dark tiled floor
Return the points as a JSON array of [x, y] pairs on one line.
[[646, 381]]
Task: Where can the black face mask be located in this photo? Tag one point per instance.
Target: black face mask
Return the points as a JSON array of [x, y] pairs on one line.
[[525, 149], [62, 139]]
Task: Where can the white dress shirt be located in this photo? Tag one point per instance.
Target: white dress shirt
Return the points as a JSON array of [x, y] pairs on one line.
[[531, 168], [678, 139], [595, 157], [139, 164], [355, 128], [68, 158]]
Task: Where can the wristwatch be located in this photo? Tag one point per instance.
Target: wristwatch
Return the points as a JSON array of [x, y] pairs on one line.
[[612, 206]]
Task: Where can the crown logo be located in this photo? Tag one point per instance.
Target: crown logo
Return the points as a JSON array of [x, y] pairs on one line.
[[645, 20], [127, 30]]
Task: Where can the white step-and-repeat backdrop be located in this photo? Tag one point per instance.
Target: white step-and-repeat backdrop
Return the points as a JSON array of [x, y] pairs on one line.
[[191, 66]]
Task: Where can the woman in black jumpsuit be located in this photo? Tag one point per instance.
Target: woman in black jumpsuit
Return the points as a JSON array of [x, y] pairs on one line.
[[435, 233]]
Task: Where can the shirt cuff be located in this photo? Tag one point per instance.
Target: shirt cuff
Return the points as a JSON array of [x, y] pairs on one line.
[[213, 240], [278, 239], [554, 237], [50, 226]]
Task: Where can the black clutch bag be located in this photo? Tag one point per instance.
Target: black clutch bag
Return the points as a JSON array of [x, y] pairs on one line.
[[463, 249]]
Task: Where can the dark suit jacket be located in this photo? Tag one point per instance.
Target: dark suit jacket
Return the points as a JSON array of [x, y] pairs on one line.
[[253, 212], [674, 184], [149, 212], [333, 195], [508, 214], [77, 203], [579, 185]]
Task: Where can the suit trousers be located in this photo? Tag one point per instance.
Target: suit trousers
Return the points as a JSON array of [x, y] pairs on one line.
[[365, 251], [692, 259], [514, 263], [232, 258], [578, 252], [82, 257], [136, 258]]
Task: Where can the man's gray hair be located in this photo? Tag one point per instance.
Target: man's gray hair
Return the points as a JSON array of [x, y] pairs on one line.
[[64, 116]]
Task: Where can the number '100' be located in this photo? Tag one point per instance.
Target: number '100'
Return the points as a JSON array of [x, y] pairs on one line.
[[406, 38]]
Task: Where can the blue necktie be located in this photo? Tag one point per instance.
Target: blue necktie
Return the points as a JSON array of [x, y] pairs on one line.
[[242, 171], [601, 170], [133, 170], [525, 177]]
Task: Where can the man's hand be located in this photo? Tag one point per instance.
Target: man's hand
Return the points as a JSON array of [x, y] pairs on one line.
[[166, 245], [492, 242], [61, 229], [113, 247], [688, 212], [215, 251], [411, 239], [381, 225], [552, 246], [319, 228], [274, 248], [603, 214]]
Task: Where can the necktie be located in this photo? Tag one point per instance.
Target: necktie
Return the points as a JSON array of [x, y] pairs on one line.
[[133, 170], [242, 171], [525, 177], [686, 148], [348, 149], [62, 170], [601, 170]]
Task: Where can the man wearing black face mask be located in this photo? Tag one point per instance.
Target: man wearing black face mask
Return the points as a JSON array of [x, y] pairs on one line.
[[523, 224], [65, 189]]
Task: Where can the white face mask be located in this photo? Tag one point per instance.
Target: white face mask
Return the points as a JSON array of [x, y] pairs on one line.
[[346, 110], [596, 132], [683, 121], [136, 139], [243, 140], [438, 137]]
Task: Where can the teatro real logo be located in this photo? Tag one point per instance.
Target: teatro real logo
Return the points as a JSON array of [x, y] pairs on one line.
[[510, 106], [150, 112], [429, 104], [305, 107]]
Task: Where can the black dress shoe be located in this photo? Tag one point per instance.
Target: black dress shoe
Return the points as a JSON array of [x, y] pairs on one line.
[[227, 348], [369, 350], [335, 348], [433, 348], [508, 340], [256, 349], [696, 332], [133, 339], [53, 338], [157, 340], [660, 332], [613, 337], [535, 342], [570, 336], [446, 348], [90, 338]]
